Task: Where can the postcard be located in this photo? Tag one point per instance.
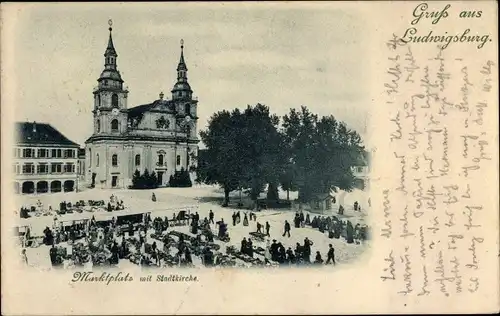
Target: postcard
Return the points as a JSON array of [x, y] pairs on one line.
[[250, 158]]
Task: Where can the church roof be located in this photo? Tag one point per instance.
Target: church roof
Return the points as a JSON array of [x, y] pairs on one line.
[[182, 63], [137, 110], [110, 74], [110, 50], [32, 133], [182, 86]]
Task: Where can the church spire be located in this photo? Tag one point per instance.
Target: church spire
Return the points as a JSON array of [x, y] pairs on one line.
[[181, 89], [110, 76], [110, 54], [182, 68]]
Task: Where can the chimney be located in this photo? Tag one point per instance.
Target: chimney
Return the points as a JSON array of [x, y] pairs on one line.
[[34, 127]]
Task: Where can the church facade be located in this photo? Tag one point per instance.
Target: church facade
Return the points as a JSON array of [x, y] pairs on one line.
[[160, 136]]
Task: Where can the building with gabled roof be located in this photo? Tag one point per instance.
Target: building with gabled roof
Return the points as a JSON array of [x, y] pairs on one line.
[[44, 159]]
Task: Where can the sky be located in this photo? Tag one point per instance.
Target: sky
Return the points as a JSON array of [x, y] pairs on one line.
[[280, 55]]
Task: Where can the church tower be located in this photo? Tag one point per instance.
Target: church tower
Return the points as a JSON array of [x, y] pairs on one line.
[[182, 96], [110, 98]]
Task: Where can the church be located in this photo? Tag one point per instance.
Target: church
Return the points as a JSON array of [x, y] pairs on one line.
[[160, 136]]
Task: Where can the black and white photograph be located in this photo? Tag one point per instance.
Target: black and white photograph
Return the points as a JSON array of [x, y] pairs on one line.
[[274, 157], [218, 138]]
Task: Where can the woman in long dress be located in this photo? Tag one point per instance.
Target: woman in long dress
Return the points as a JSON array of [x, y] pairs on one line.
[[245, 220], [267, 254]]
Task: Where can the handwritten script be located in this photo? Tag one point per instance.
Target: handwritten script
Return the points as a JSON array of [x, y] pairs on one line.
[[440, 148]]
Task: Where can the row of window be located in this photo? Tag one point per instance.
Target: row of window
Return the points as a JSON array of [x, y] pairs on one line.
[[114, 98], [110, 60], [358, 169], [115, 126], [161, 160], [44, 168], [44, 153]]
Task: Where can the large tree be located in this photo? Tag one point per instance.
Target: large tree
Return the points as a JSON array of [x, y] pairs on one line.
[[262, 151], [221, 161], [322, 152], [243, 151]]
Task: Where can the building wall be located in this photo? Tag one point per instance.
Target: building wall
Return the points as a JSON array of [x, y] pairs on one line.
[[99, 160], [37, 168], [148, 126], [362, 175]]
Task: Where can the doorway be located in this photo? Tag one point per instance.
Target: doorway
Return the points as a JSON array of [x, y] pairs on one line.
[[114, 181], [160, 178]]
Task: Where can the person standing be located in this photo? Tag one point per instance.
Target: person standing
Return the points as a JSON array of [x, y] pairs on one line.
[[307, 250], [259, 228], [290, 257], [243, 245], [250, 247], [234, 219], [267, 229], [24, 257], [53, 256], [287, 229], [274, 250], [187, 255], [211, 217], [267, 255], [331, 255]]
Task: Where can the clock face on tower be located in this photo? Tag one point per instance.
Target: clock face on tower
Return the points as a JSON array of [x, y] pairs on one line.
[[115, 111]]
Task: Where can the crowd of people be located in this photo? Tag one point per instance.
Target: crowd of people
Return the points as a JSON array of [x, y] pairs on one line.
[[335, 227], [156, 242], [68, 207]]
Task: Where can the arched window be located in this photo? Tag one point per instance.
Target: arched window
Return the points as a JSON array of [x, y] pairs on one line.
[[114, 100], [160, 159], [178, 160], [97, 160], [98, 100], [114, 125], [114, 160], [137, 160], [98, 126], [187, 108]]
